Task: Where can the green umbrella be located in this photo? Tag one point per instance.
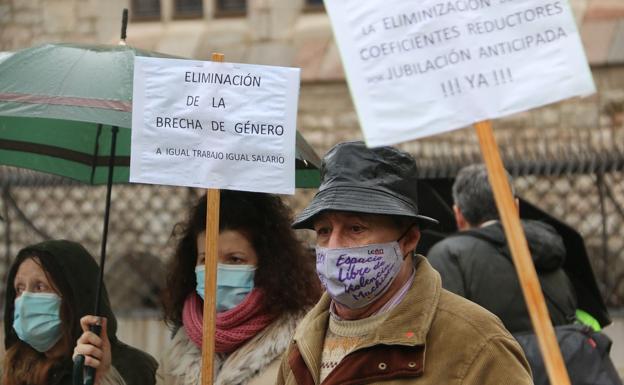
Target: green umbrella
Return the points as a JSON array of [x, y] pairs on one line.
[[66, 109], [58, 103]]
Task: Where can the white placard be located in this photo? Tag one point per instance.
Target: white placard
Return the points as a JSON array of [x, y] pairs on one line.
[[214, 125], [419, 68]]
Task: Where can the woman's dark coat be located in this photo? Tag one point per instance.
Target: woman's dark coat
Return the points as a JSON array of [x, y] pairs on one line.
[[79, 272]]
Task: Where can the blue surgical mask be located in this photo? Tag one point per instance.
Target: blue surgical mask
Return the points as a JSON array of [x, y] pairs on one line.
[[234, 282], [37, 320]]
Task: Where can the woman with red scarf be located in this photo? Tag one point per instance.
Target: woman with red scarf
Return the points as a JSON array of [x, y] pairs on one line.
[[265, 283]]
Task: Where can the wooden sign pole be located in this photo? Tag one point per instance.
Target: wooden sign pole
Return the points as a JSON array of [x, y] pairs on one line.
[[212, 239], [516, 239]]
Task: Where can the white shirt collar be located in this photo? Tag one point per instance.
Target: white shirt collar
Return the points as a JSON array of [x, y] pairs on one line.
[[488, 223]]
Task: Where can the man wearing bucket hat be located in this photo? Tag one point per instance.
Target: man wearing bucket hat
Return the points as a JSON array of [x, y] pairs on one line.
[[384, 317]]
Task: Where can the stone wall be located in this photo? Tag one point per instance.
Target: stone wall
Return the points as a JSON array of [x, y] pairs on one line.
[[327, 116], [278, 32], [24, 23]]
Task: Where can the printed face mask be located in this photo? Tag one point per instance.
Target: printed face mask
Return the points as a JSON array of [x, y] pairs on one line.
[[37, 321], [234, 282], [355, 277]]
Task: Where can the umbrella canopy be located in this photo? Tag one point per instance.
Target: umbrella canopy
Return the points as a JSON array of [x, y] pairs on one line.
[[5, 55], [58, 103], [436, 200]]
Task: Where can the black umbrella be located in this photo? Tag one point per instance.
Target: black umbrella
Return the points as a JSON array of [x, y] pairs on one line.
[[436, 200]]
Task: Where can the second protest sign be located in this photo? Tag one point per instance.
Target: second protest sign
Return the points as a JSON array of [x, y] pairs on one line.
[[420, 68]]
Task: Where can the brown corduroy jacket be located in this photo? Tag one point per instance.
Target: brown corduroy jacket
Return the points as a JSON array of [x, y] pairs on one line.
[[432, 337]]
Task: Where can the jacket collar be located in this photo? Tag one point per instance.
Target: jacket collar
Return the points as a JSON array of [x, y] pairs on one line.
[[406, 325], [240, 366], [254, 356]]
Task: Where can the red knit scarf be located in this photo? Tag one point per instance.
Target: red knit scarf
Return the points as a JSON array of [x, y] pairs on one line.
[[234, 327]]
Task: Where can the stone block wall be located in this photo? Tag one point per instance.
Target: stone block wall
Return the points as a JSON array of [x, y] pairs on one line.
[[327, 116], [24, 23]]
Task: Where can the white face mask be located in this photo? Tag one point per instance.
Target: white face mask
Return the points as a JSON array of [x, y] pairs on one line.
[[355, 277]]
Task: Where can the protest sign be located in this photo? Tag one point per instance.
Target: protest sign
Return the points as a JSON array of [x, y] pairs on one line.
[[214, 125], [419, 68]]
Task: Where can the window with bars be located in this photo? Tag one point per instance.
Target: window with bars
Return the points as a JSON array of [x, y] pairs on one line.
[[227, 8], [145, 9], [188, 9]]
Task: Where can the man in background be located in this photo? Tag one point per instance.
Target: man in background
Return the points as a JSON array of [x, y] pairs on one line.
[[476, 262]]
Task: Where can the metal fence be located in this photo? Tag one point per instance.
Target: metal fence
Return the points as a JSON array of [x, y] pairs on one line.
[[37, 207], [593, 205]]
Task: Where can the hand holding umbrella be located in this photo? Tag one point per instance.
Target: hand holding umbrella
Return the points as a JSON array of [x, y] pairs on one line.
[[93, 349]]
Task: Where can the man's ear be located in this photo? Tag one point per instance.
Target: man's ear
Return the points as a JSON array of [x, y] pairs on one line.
[[462, 223], [411, 238]]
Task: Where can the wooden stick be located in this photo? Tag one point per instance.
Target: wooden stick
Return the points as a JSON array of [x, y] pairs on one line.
[[516, 239], [212, 240]]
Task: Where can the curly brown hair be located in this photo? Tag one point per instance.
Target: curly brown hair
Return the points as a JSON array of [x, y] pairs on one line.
[[286, 271]]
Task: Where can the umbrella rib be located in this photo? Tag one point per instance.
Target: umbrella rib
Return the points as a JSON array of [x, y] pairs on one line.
[[61, 153], [105, 104], [96, 151]]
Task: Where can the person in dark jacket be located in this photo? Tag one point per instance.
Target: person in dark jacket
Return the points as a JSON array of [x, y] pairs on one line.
[[50, 288], [476, 262]]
